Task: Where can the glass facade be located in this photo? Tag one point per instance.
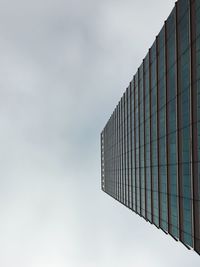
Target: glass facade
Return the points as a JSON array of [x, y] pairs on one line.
[[150, 146]]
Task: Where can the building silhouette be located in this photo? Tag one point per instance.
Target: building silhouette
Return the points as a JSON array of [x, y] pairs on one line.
[[150, 146]]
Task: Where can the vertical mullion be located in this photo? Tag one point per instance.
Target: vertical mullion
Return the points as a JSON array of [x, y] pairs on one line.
[[191, 120], [167, 130], [118, 148], [135, 146], [123, 153], [122, 193], [127, 149], [158, 136], [194, 132], [139, 143], [150, 134], [144, 112], [124, 148], [102, 155], [133, 142], [121, 144], [115, 153], [130, 146], [120, 151], [179, 143]]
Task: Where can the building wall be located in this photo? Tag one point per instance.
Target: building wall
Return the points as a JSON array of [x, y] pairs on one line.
[[150, 147]]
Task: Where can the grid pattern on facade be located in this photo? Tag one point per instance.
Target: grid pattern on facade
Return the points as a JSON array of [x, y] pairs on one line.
[[150, 147]]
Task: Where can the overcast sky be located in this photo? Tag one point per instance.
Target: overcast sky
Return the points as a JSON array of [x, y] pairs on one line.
[[63, 67]]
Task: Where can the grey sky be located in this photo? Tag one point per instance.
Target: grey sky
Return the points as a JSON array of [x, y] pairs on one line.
[[63, 68]]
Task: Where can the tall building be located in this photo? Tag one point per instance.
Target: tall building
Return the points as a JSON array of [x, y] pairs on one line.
[[150, 146]]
